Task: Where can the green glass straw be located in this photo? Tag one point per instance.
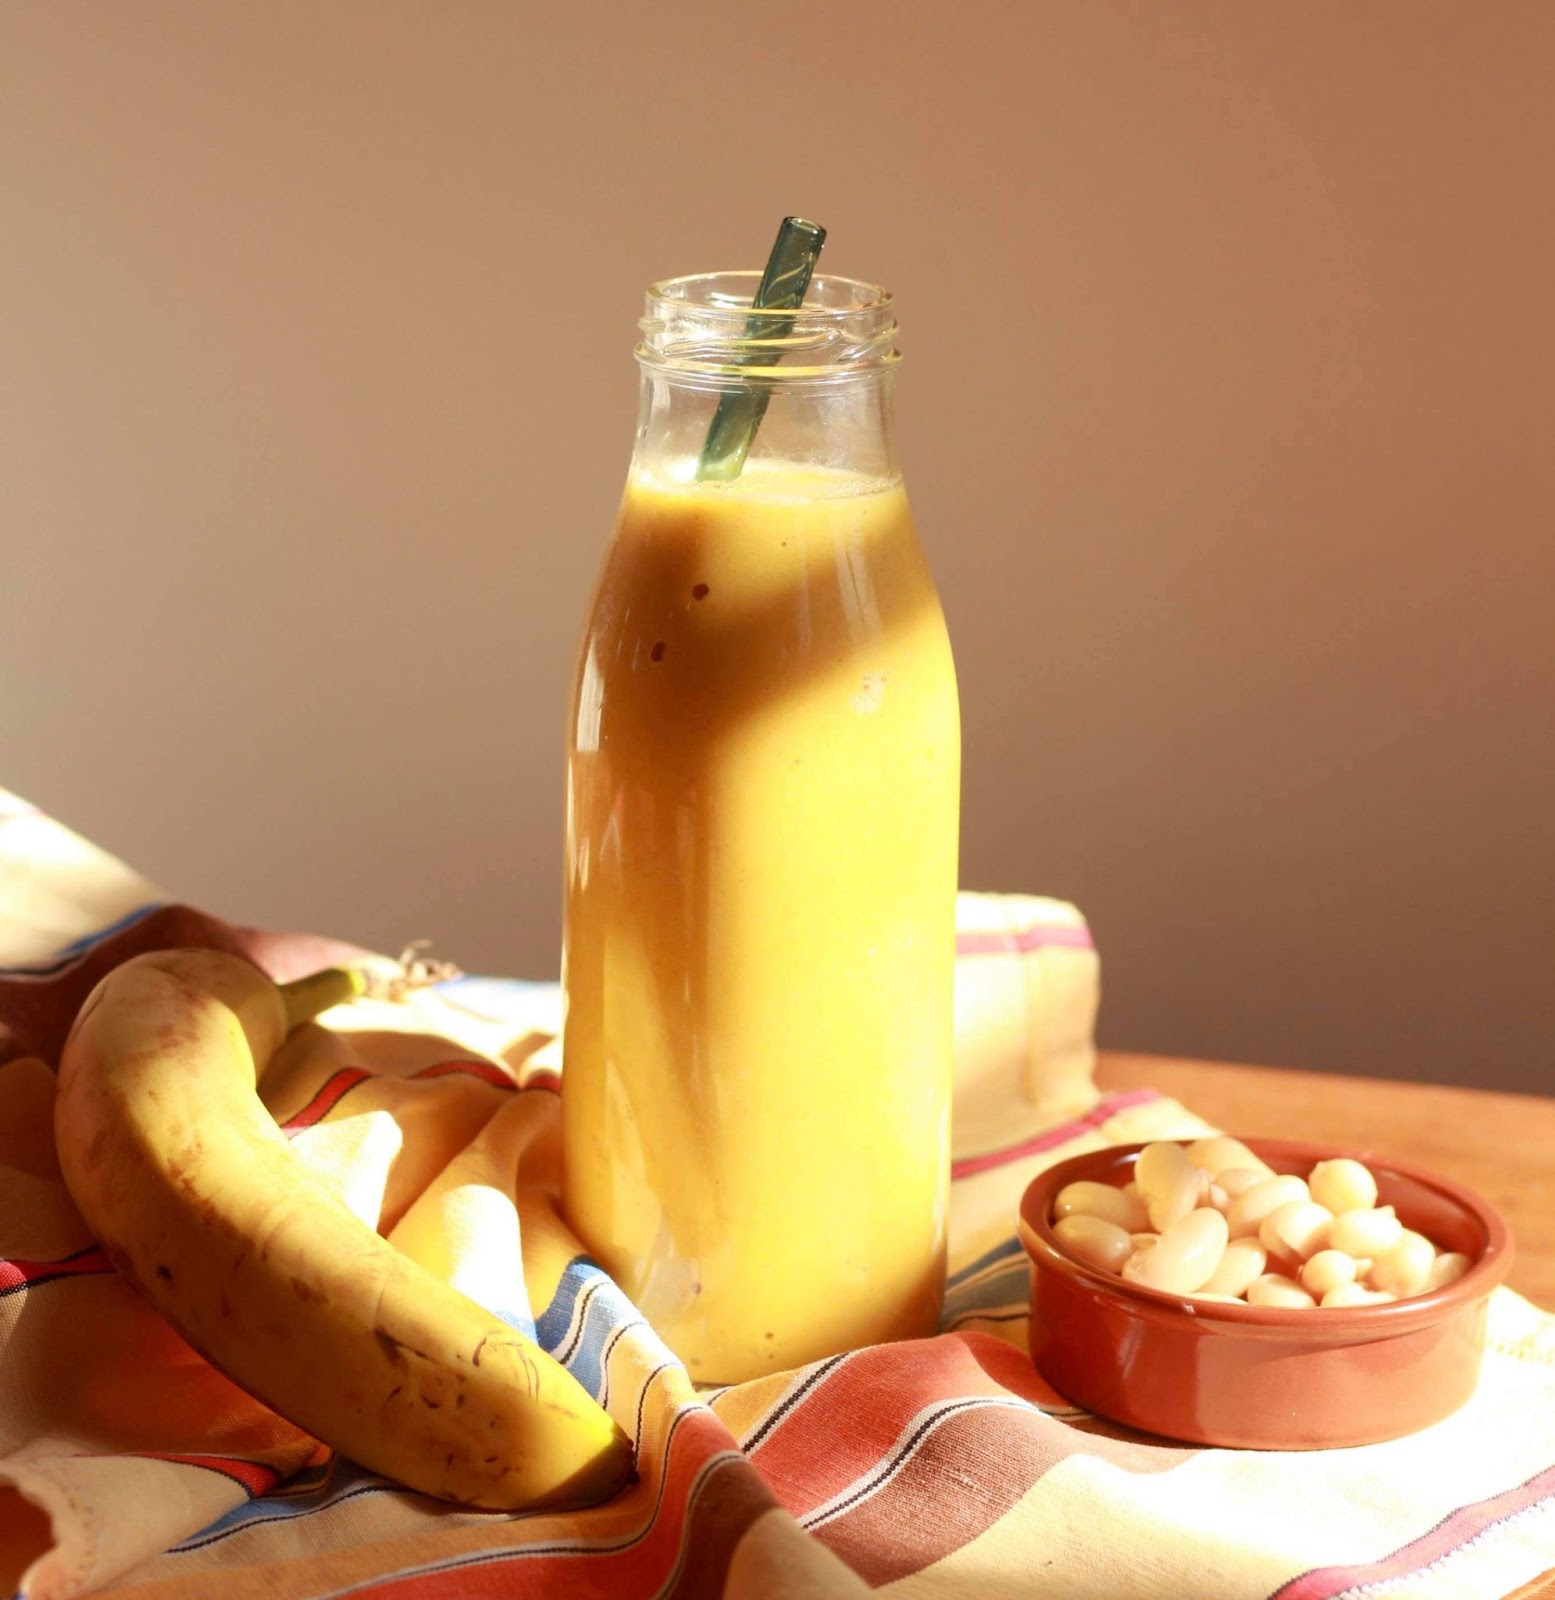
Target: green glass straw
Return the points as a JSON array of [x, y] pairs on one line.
[[782, 288]]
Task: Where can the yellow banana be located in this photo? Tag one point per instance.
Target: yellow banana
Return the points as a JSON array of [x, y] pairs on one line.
[[196, 1198]]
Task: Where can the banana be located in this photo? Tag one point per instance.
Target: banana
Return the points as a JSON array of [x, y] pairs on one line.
[[196, 1198]]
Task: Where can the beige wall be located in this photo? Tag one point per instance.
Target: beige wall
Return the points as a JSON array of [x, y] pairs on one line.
[[1227, 415]]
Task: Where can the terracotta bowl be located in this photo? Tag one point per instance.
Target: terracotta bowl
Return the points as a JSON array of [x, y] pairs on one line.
[[1265, 1377]]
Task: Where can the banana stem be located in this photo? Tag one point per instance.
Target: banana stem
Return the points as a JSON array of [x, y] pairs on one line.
[[306, 997]]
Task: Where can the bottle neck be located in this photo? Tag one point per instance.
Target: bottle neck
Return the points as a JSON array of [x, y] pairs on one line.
[[726, 389], [846, 427]]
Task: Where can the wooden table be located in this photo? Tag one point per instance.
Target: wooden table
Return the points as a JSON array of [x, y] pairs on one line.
[[1500, 1145]]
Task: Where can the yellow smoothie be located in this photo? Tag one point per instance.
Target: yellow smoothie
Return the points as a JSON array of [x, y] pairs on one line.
[[763, 791]]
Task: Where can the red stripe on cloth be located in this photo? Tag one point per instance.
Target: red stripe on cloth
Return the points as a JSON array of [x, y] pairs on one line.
[[343, 1082], [681, 1526], [1103, 1111], [18, 1275], [254, 1476], [486, 1071], [327, 1098], [1453, 1532], [864, 1457], [35, 1016], [1021, 941], [899, 1519], [909, 1522], [853, 1418]]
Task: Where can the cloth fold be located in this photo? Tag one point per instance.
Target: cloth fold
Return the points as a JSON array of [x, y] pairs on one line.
[[939, 1467]]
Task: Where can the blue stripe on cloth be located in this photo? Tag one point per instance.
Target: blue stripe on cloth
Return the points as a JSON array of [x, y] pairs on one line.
[[66, 954], [314, 1489], [552, 1323], [1007, 1247], [497, 999], [517, 1319], [1009, 1285], [128, 920], [586, 1308]]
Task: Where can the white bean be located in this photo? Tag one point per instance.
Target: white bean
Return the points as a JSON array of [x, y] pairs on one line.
[[1168, 1181], [1178, 1201], [1343, 1185], [1274, 1289], [1218, 1153], [1366, 1232], [1090, 1199], [1236, 1181], [1210, 1220], [1447, 1268], [1155, 1163], [1326, 1271], [1188, 1253], [1406, 1268], [1243, 1260], [1295, 1230], [1249, 1209], [1094, 1240]]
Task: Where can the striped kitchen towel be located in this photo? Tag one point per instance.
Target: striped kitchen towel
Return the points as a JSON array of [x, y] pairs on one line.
[[941, 1467]]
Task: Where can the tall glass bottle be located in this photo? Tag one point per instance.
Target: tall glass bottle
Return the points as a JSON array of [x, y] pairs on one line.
[[762, 812]]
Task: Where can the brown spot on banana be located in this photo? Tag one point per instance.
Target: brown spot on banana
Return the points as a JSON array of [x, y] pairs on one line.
[[390, 1346], [121, 1262], [326, 1282], [531, 1371]]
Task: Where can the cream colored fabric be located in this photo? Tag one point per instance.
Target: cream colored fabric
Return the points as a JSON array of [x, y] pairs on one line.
[[940, 1468]]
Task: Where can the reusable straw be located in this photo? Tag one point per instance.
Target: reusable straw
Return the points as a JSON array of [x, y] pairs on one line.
[[782, 288]]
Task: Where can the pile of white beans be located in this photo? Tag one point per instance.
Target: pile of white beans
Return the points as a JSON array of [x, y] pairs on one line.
[[1212, 1221]]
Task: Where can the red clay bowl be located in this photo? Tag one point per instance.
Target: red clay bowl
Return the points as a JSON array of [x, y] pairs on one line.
[[1263, 1377]]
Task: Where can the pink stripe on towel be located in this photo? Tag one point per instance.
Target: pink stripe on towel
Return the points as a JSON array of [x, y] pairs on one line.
[[1018, 941], [1103, 1111], [1455, 1530]]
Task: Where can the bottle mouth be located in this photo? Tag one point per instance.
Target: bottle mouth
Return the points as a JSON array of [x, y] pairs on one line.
[[703, 326]]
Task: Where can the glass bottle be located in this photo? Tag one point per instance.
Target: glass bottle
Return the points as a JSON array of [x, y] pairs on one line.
[[762, 812]]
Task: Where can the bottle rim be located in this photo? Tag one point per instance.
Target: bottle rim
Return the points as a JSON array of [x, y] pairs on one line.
[[702, 326]]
